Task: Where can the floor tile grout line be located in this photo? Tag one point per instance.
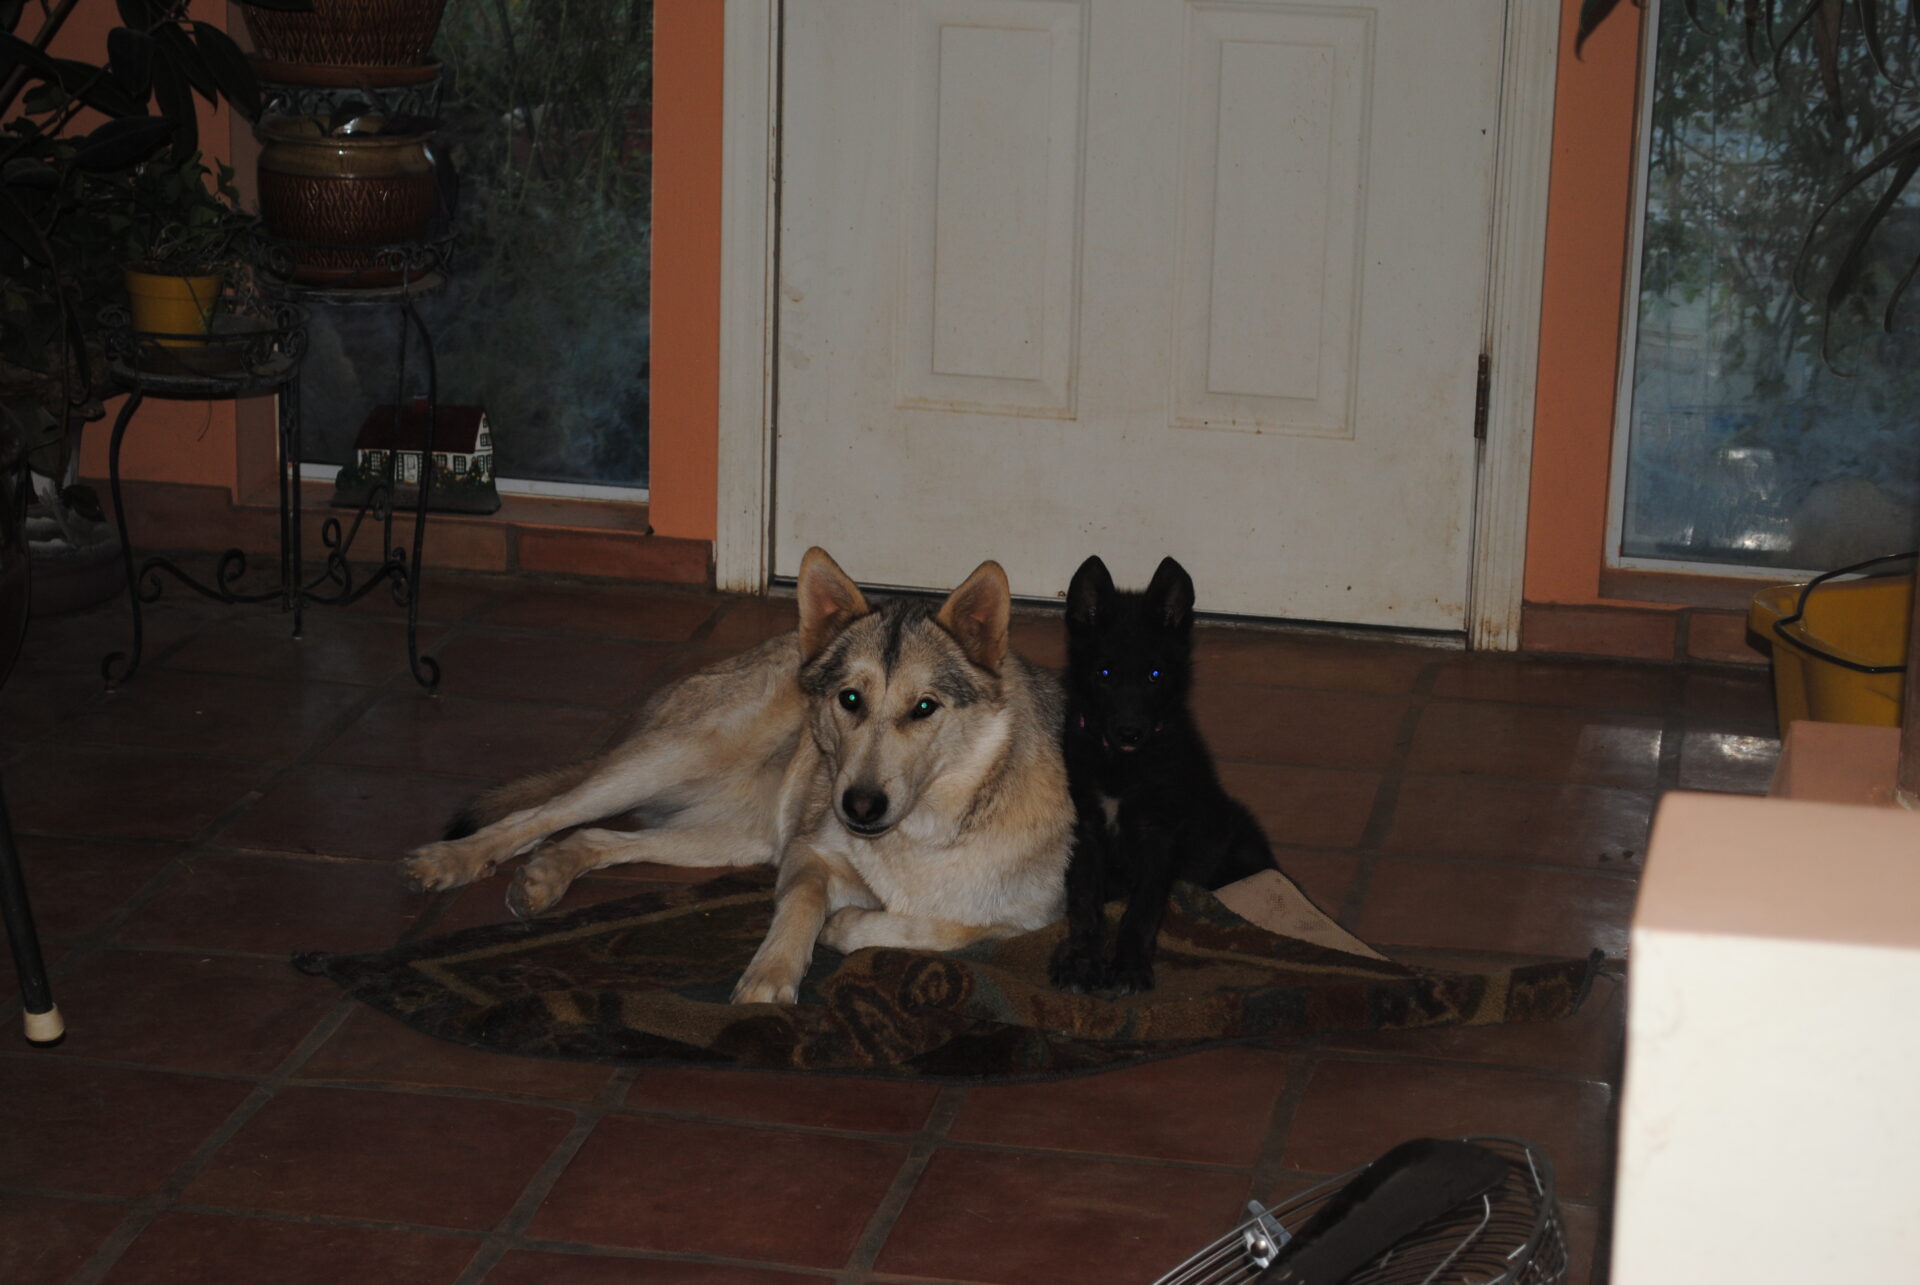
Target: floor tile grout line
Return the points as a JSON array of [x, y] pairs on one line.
[[1387, 796], [886, 1215], [520, 1215], [106, 934], [142, 1215], [1267, 1165], [1672, 737], [591, 1249]]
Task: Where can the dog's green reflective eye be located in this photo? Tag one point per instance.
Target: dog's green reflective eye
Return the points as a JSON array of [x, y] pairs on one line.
[[850, 699], [1153, 675], [925, 706]]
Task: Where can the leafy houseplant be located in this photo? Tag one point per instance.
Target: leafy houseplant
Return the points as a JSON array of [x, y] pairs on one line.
[[98, 166], [181, 237]]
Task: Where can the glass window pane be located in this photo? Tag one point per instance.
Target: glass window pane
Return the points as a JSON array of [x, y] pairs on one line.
[[1745, 447], [544, 317]]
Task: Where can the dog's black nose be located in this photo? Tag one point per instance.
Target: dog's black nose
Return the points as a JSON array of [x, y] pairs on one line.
[[863, 806], [1128, 736]]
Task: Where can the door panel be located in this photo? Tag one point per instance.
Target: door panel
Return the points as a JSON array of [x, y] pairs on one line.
[[1138, 278]]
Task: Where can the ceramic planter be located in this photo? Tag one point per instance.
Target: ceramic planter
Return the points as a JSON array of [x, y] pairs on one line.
[[334, 198], [349, 34]]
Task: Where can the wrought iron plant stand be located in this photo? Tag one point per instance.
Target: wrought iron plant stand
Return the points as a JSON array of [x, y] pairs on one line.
[[252, 356]]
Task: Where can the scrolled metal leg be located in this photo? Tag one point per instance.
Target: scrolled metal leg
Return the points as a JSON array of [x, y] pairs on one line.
[[131, 660], [290, 470], [426, 670], [43, 1021]]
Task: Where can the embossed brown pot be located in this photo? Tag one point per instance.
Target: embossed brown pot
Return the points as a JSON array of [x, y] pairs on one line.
[[347, 33], [334, 197]]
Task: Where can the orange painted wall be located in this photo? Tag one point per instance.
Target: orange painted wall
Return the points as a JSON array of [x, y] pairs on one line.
[[685, 415], [1588, 208], [169, 441]]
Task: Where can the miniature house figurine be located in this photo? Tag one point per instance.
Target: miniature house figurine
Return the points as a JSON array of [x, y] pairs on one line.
[[390, 445]]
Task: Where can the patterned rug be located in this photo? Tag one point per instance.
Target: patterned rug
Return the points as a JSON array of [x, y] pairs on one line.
[[646, 979]]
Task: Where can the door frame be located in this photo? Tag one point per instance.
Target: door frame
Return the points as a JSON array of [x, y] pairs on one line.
[[749, 221]]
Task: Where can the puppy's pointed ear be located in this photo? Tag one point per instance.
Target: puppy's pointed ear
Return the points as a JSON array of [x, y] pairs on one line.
[[1089, 595], [829, 602], [1170, 596], [977, 613]]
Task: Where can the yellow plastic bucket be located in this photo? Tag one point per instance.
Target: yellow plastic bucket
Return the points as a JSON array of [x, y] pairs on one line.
[[1839, 647]]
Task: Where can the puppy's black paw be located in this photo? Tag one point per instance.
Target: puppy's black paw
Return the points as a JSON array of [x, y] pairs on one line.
[[1075, 970], [1128, 979]]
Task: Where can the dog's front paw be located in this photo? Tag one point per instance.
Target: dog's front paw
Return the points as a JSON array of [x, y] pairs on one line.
[[436, 867], [765, 984], [1076, 969], [842, 929], [536, 889]]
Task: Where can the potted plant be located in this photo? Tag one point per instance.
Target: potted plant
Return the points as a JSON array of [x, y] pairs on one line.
[[85, 153], [182, 235]]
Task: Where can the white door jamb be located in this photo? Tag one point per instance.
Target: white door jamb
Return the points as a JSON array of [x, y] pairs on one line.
[[1517, 275], [749, 209]]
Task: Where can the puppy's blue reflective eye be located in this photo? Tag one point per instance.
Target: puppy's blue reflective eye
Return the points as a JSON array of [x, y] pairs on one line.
[[1153, 675], [1106, 675], [850, 699], [924, 707]]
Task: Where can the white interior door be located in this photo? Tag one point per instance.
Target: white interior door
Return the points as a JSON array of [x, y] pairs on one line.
[[1137, 278]]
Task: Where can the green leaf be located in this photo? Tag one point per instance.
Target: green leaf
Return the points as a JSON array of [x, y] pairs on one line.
[[130, 59], [18, 229], [175, 97], [186, 56], [122, 144], [31, 173], [94, 88], [141, 15], [230, 69], [15, 52], [43, 98]]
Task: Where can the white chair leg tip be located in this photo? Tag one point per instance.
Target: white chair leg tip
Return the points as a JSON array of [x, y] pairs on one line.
[[45, 1028]]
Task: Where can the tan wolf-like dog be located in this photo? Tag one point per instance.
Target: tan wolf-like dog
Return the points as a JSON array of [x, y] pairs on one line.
[[900, 765]]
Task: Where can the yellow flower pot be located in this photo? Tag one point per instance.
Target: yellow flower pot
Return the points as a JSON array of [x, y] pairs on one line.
[[174, 306]]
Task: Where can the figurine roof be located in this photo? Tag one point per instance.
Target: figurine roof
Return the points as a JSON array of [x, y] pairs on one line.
[[455, 429]]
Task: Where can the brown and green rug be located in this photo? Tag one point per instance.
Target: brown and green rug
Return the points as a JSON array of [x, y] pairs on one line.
[[646, 979]]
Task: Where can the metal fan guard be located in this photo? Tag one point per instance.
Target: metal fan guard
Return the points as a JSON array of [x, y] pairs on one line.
[[1511, 1236]]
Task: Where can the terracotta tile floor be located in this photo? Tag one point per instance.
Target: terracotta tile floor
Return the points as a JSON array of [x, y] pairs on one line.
[[214, 1116]]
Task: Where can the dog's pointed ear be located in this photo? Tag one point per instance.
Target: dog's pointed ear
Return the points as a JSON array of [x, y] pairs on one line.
[[1170, 596], [977, 614], [829, 602], [1089, 594]]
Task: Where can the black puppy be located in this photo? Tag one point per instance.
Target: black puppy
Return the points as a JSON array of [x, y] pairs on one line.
[[1150, 807]]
